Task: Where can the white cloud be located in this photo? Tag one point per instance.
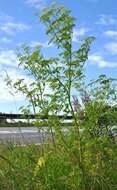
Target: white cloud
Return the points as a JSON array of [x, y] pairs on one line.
[[111, 33], [101, 62], [107, 20], [77, 33], [8, 66], [112, 47], [42, 44], [8, 58], [5, 40], [10, 26], [36, 3], [7, 94], [13, 27]]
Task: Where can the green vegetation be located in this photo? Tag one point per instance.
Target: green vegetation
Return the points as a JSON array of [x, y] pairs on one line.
[[45, 167], [72, 160]]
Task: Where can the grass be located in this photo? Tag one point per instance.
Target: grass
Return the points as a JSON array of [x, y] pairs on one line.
[[17, 166], [56, 166]]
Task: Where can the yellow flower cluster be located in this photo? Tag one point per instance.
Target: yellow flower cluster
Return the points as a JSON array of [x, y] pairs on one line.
[[40, 164]]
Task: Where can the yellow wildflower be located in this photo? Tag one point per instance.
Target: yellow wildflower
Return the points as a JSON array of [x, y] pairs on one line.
[[40, 164]]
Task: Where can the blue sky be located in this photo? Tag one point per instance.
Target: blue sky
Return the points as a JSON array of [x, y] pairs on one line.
[[18, 24]]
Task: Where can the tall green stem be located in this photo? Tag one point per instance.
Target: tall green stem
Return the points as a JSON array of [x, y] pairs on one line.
[[77, 129]]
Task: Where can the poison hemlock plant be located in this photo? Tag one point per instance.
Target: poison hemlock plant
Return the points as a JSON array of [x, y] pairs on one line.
[[73, 159]]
